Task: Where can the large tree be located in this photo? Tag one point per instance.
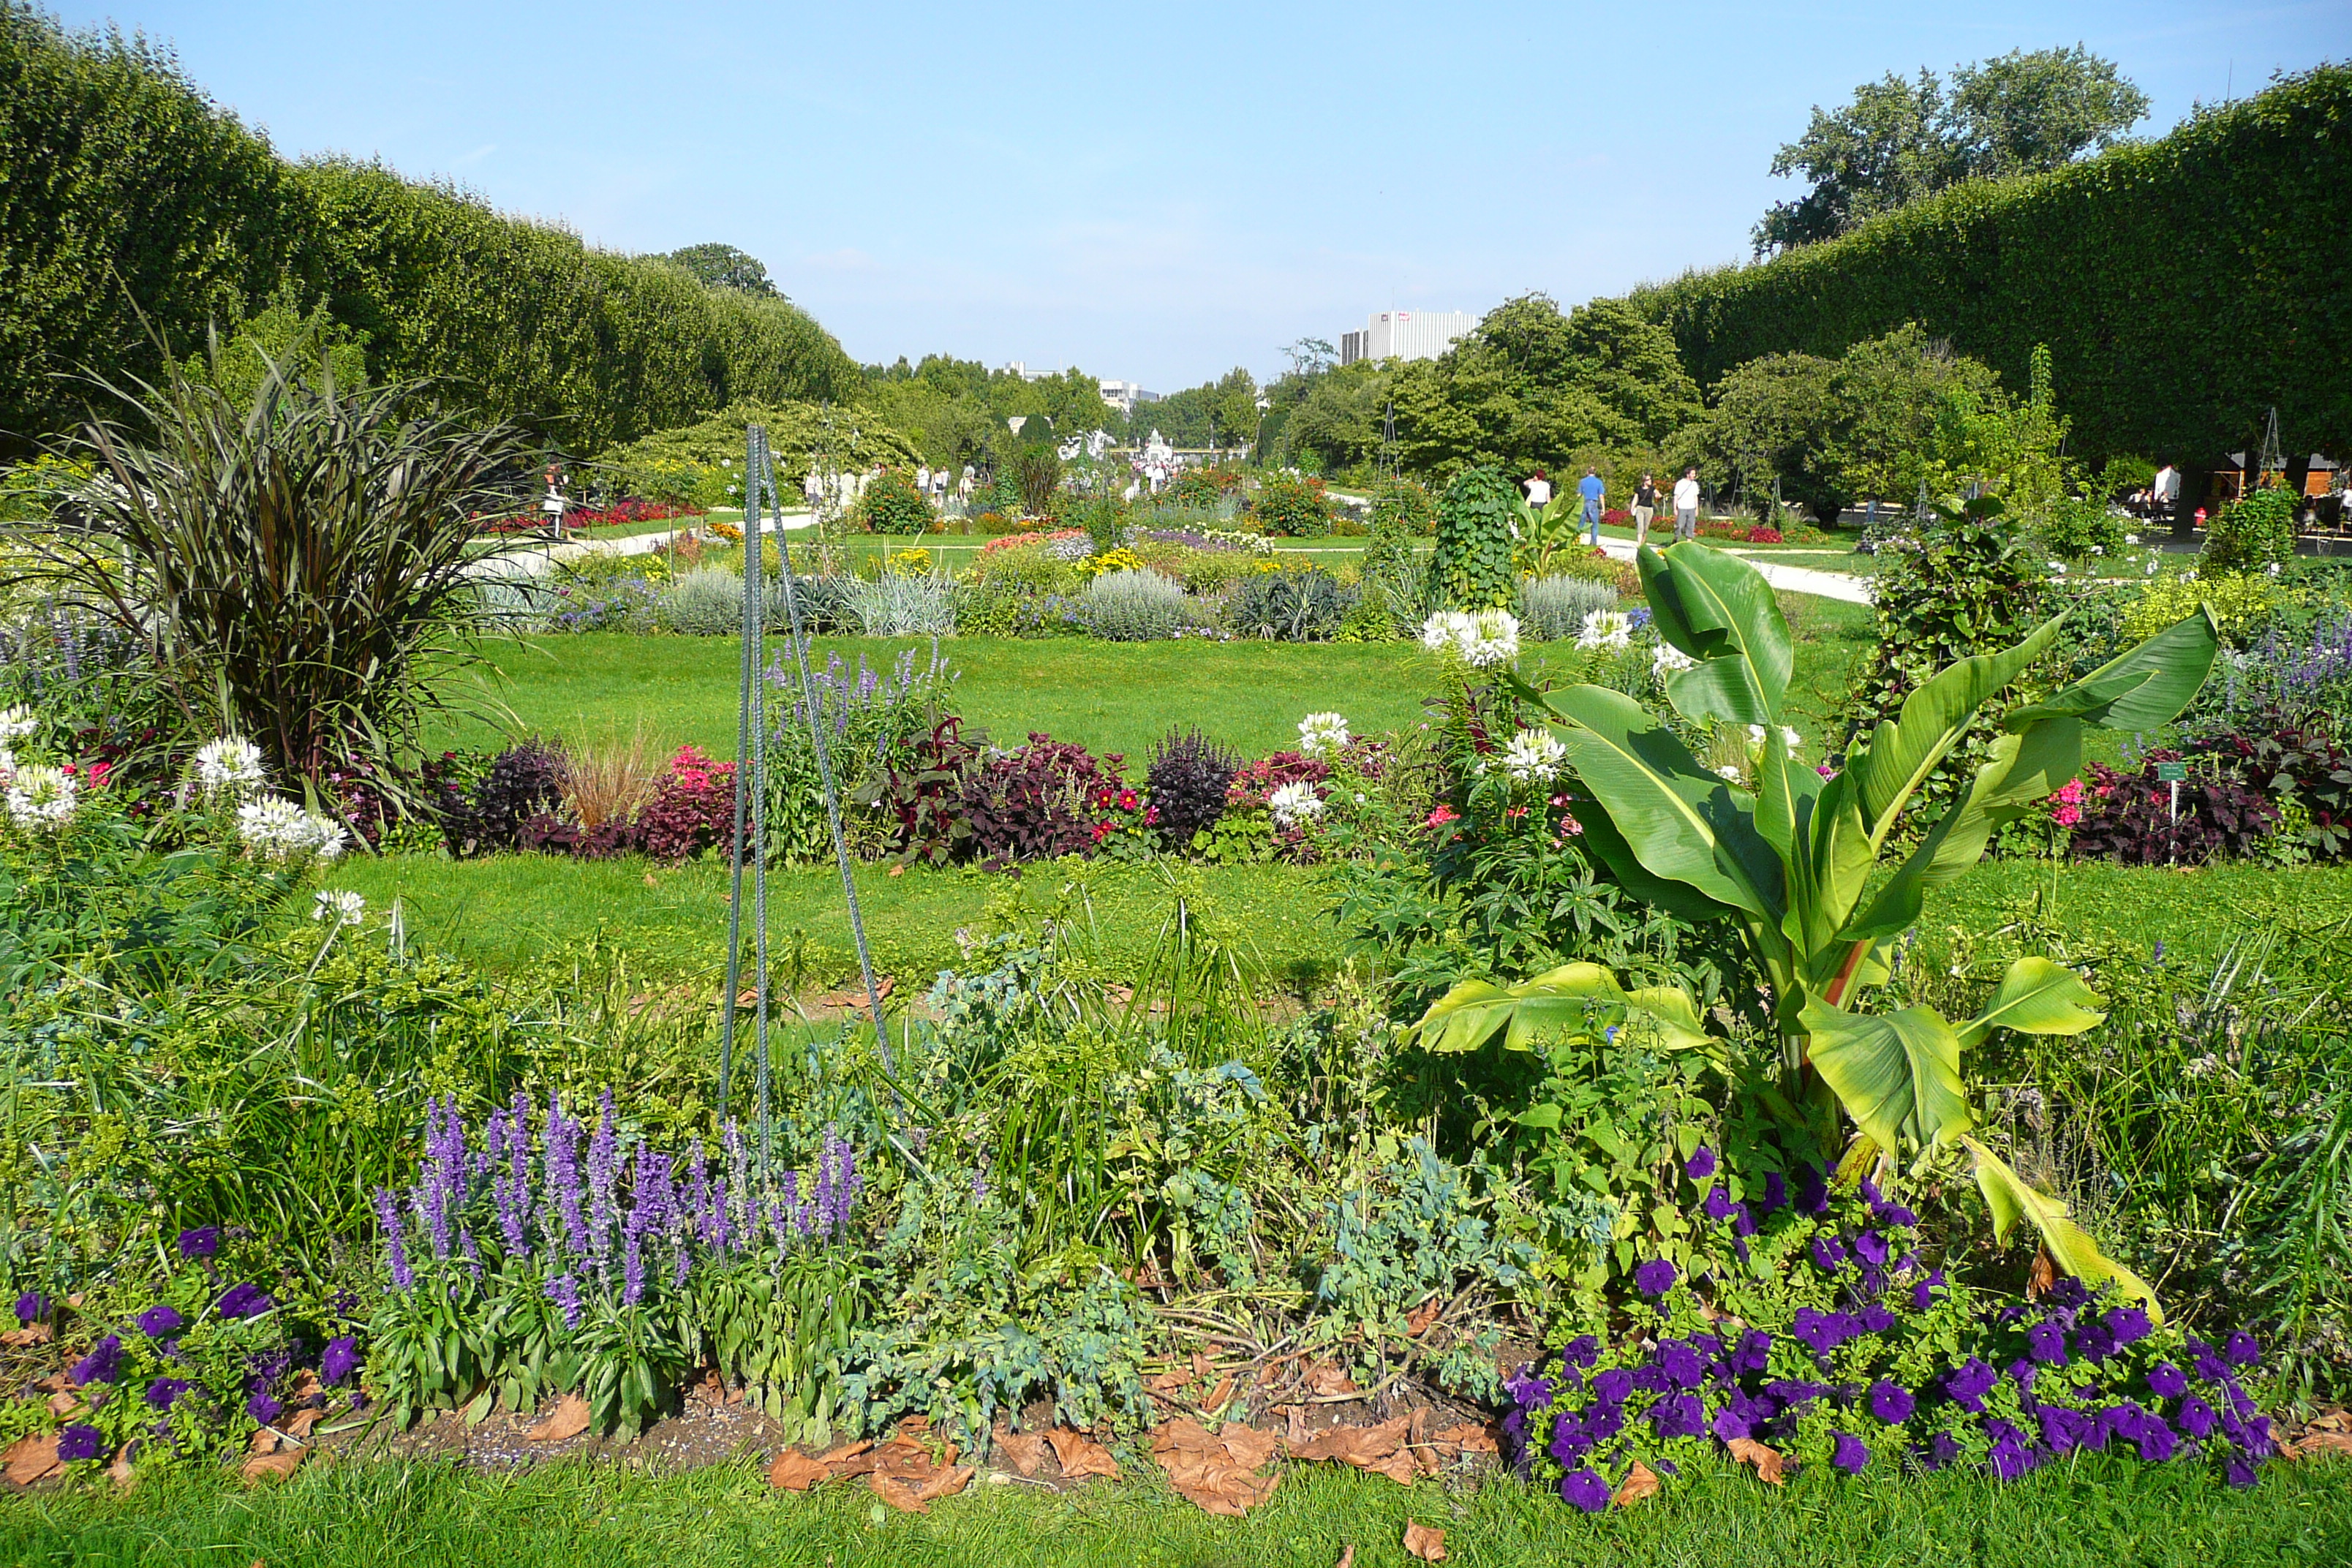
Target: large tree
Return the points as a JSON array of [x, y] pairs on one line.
[[724, 267], [2022, 113]]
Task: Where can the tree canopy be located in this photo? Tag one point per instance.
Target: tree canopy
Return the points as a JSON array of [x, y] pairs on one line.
[[2023, 113], [724, 267]]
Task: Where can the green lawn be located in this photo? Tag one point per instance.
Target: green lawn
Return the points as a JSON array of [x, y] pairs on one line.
[[2101, 1513]]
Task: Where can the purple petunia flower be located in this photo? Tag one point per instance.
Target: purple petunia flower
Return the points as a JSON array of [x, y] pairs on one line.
[[2240, 1474], [2129, 1325], [1871, 1248], [2197, 1417], [338, 1360], [2047, 1341], [201, 1242], [1923, 1294], [1813, 1190], [1875, 1318], [2061, 1428], [1718, 1205], [264, 1409], [1654, 1278], [1680, 1416], [2166, 1381], [1793, 1392], [1682, 1365], [163, 1389], [1776, 1189], [1605, 1421], [1848, 1452], [2096, 1340], [1942, 1449], [2244, 1349], [1754, 1350], [1587, 1491], [104, 1364], [244, 1301], [1968, 1383], [159, 1321], [31, 1306], [1701, 1165], [1891, 1402], [1528, 1391], [1731, 1422], [80, 1442], [1581, 1352], [1828, 1252]]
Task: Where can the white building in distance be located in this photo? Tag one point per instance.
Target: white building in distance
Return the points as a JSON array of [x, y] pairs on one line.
[[1124, 395], [1405, 334]]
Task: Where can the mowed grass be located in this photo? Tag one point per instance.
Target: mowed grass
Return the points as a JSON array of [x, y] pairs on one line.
[[2099, 1513], [1110, 697]]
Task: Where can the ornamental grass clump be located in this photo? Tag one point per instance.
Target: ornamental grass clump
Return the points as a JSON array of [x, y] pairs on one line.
[[1135, 604], [1554, 609], [547, 1253], [707, 602]]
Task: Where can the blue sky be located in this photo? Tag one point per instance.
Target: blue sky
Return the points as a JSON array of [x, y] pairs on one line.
[[1155, 194]]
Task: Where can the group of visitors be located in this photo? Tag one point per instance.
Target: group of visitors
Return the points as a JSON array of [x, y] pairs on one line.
[[1595, 493], [937, 484]]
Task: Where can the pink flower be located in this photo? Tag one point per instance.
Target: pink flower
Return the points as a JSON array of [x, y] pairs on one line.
[[2070, 795], [1826, 771], [1443, 815], [1570, 827], [2067, 815]]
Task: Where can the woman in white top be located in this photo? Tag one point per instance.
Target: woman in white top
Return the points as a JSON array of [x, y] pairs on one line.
[[1538, 492], [1686, 506]]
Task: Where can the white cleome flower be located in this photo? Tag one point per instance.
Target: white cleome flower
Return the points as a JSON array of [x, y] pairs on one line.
[[1793, 741], [1295, 805], [1322, 734], [15, 724], [1731, 772], [231, 763], [1446, 630], [1667, 659], [345, 908], [281, 830], [1606, 628], [7, 765], [1534, 756], [1494, 639], [41, 800]]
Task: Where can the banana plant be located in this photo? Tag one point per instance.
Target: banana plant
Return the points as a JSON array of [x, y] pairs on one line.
[[1794, 858], [1549, 536]]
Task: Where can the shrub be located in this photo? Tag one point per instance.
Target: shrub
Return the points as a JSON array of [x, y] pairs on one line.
[[707, 602], [902, 604], [872, 718], [926, 798], [1289, 606], [522, 782], [1763, 533], [1290, 506], [2240, 603], [1552, 609], [891, 504], [2250, 534], [1132, 605], [1104, 520], [1403, 506], [2078, 528], [1213, 489], [1188, 780], [1036, 476], [1038, 803], [693, 810], [1472, 569]]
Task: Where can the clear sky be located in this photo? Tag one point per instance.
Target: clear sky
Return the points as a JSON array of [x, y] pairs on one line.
[[1156, 193]]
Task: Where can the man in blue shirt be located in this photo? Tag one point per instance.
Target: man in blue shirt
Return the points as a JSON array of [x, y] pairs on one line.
[[1593, 491]]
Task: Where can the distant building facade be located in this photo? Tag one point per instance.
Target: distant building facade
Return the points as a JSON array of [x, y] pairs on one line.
[[1124, 395], [1405, 334]]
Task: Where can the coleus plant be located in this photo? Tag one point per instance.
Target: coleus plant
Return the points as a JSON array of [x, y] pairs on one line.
[[1793, 862]]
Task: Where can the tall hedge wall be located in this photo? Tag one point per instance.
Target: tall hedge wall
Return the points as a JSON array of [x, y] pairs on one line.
[[2184, 286], [125, 193]]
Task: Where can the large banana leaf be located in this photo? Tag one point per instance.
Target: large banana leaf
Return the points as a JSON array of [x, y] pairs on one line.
[[2036, 997], [2142, 688], [2009, 1197], [1678, 820], [1718, 609], [1904, 750], [1897, 1074], [1466, 1016]]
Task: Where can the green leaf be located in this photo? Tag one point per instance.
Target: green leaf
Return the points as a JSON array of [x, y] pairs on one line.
[[2036, 997], [2141, 689], [1904, 750], [1679, 820], [2009, 1197], [1718, 609], [1545, 1117], [1468, 1016], [1897, 1074]]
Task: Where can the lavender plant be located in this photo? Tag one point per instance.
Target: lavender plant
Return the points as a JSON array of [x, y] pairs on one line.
[[554, 1254]]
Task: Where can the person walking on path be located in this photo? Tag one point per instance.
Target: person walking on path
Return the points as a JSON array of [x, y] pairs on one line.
[[1686, 506], [1594, 492], [1645, 507], [1538, 492]]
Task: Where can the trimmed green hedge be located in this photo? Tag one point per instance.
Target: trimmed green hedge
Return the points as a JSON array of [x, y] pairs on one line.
[[2184, 286], [125, 193]]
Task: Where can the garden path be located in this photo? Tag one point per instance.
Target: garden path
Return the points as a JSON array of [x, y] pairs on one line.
[[1795, 579]]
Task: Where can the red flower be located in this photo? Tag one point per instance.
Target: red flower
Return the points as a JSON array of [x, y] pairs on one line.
[[1443, 815], [1127, 800]]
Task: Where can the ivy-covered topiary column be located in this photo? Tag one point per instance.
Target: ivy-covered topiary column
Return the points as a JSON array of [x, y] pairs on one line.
[[1472, 569]]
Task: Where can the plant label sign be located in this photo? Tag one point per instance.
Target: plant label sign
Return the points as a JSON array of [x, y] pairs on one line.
[[2171, 772]]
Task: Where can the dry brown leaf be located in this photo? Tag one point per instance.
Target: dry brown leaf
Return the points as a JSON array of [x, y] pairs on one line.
[[1216, 1473], [1422, 1542], [1080, 1455], [1470, 1438], [1641, 1483], [858, 1458], [1219, 1396], [306, 1384], [119, 1471], [945, 1483], [1025, 1449], [899, 1492], [263, 1441], [30, 1334], [795, 1471], [2041, 1276], [1247, 1445], [1167, 1382], [64, 1404], [2312, 1443], [1202, 1367], [2334, 1421], [1367, 1448], [568, 1419], [649, 881], [1768, 1461], [267, 1466], [1347, 1557], [1295, 1421], [31, 1457], [1325, 1378], [1417, 1324], [298, 1425]]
